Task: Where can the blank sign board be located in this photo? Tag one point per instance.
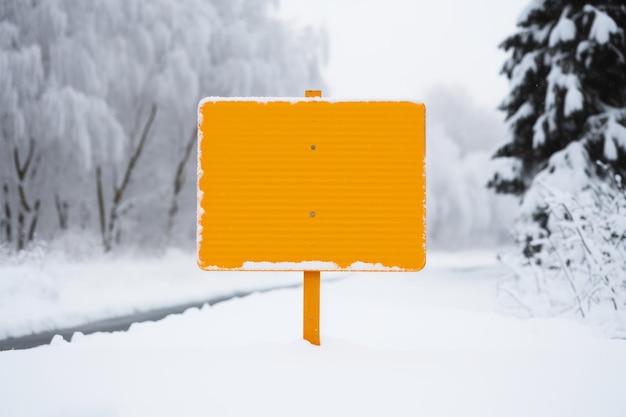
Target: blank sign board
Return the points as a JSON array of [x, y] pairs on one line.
[[311, 184]]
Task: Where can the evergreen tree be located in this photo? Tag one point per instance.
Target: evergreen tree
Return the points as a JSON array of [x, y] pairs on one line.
[[567, 100], [566, 155]]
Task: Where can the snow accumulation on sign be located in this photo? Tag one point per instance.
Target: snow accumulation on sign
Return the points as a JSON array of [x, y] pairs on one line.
[[311, 184]]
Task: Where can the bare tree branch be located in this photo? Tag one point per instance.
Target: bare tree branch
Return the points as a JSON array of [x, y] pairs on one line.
[[101, 208], [62, 208], [23, 169], [7, 214], [179, 180], [33, 222], [118, 191]]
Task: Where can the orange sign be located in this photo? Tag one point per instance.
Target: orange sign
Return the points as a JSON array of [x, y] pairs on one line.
[[311, 184]]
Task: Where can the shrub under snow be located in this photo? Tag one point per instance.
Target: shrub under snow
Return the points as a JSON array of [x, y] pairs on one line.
[[572, 259]]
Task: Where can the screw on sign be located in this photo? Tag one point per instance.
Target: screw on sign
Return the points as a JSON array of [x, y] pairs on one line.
[[311, 185]]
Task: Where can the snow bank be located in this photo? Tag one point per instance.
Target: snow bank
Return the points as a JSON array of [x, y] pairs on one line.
[[392, 344], [60, 294]]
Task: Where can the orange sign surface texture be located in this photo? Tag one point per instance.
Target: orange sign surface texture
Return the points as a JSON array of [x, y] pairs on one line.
[[311, 184]]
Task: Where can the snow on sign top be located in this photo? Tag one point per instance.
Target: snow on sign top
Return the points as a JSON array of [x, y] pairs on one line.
[[311, 184]]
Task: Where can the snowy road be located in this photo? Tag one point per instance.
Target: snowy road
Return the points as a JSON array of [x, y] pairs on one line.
[[392, 344], [115, 324]]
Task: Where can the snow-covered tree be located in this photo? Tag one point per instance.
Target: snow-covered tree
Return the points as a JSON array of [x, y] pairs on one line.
[[566, 156], [98, 106], [581, 266], [567, 72], [461, 211]]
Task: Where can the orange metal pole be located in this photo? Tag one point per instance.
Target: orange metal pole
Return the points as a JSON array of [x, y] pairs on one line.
[[311, 317]]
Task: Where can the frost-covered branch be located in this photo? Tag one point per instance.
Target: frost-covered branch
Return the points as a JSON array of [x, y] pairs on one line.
[[179, 178], [120, 190], [79, 129], [582, 249]]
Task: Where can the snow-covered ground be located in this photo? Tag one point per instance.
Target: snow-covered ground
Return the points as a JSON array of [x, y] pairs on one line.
[[52, 293], [429, 343]]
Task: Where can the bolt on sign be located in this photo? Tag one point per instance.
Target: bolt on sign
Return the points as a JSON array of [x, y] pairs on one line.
[[311, 185]]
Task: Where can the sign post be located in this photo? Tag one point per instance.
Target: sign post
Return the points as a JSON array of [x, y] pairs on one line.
[[311, 313], [311, 185]]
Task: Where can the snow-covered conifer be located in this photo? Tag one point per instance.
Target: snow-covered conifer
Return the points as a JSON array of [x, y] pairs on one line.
[[567, 73], [566, 154]]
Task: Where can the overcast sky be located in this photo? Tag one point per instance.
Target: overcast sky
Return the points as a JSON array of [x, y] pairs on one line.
[[404, 48]]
